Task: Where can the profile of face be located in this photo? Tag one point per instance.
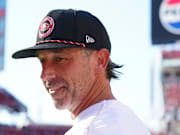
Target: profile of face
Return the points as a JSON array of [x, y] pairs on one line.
[[68, 75]]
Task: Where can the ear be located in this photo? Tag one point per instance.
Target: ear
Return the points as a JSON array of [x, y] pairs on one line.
[[102, 59]]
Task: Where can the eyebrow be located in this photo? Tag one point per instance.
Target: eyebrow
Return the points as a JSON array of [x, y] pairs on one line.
[[58, 51]]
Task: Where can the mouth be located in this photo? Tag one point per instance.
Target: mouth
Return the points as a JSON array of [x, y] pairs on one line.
[[55, 88], [59, 90], [51, 91]]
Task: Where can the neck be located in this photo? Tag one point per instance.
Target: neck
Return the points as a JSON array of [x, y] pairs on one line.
[[96, 94]]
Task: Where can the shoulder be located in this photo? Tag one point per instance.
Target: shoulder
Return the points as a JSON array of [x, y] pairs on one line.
[[116, 118]]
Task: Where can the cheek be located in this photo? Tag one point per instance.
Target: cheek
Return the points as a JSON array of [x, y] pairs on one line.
[[83, 82]]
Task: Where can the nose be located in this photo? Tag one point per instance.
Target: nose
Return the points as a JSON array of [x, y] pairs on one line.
[[47, 77], [48, 80], [47, 74]]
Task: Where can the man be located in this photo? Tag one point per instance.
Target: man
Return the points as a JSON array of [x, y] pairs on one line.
[[74, 48]]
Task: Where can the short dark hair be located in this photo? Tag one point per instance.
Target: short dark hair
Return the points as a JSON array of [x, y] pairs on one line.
[[111, 71]]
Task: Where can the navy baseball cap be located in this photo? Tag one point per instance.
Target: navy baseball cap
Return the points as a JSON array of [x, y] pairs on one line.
[[68, 29]]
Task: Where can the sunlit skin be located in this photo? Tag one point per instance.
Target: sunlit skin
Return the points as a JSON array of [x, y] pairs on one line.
[[75, 80]]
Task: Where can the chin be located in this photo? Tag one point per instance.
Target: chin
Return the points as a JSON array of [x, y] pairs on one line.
[[61, 106]]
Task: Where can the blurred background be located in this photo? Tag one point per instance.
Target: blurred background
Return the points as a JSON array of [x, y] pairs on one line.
[[145, 37]]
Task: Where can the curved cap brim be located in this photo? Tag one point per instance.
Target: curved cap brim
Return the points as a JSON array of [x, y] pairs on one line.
[[31, 51]]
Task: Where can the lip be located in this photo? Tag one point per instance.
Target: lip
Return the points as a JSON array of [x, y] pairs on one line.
[[57, 93], [54, 90], [52, 86]]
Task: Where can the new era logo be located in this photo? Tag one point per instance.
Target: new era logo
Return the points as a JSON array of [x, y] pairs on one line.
[[89, 39]]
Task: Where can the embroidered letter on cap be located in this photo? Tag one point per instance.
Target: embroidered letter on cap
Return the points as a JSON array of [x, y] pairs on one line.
[[89, 39]]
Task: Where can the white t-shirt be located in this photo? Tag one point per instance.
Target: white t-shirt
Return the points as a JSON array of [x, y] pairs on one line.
[[108, 117]]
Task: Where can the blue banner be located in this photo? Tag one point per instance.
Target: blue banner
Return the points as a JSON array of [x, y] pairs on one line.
[[2, 31]]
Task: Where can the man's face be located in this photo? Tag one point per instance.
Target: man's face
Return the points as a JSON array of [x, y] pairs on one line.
[[68, 75]]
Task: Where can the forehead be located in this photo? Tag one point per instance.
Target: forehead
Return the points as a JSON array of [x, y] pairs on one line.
[[67, 51]]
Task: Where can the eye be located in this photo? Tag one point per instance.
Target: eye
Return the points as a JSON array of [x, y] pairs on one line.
[[58, 59]]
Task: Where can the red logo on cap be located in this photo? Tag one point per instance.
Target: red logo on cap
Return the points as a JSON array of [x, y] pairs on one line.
[[46, 27]]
